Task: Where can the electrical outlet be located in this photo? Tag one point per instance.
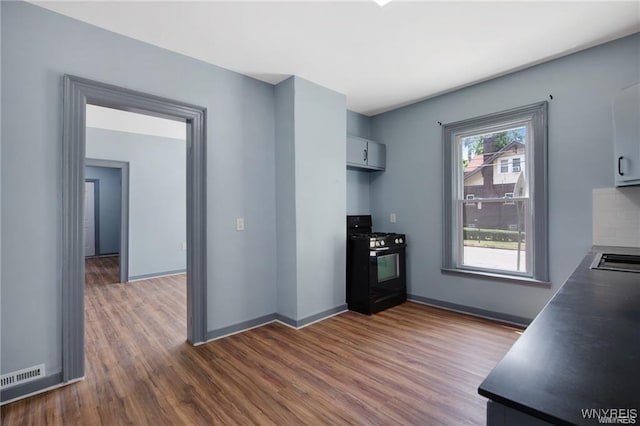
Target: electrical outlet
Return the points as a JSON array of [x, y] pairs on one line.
[[392, 218], [240, 224]]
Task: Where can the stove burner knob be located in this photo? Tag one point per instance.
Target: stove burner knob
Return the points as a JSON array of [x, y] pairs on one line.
[[382, 242], [400, 240], [377, 243], [397, 241]]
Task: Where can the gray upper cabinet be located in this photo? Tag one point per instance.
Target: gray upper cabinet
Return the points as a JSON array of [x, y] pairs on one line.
[[356, 151], [626, 122], [365, 154], [376, 155]]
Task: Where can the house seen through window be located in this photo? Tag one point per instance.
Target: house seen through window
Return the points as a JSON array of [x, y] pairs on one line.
[[491, 160]]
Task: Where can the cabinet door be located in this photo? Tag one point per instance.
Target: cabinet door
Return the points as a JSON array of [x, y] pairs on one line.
[[376, 155], [626, 119], [356, 151]]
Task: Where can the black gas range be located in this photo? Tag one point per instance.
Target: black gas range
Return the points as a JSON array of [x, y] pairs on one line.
[[376, 267]]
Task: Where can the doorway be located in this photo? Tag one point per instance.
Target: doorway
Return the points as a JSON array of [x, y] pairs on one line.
[[77, 93], [111, 215]]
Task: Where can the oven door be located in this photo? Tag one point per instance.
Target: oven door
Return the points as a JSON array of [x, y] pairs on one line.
[[387, 270]]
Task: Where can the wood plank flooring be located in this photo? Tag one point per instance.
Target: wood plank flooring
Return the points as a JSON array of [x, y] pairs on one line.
[[101, 270], [411, 364]]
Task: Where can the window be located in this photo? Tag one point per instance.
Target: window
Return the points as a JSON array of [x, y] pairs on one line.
[[495, 237], [515, 168]]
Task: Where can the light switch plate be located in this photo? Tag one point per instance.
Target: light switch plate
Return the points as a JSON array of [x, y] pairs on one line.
[[392, 218], [240, 224]]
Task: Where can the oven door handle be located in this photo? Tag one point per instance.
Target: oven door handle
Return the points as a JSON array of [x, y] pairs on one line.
[[384, 250], [394, 248], [376, 251]]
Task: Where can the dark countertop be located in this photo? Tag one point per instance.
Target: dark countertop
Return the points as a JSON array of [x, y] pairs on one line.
[[582, 351]]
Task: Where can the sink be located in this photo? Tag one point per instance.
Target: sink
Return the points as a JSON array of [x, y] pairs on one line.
[[616, 262]]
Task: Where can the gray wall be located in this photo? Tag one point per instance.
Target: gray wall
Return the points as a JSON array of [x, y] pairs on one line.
[[240, 156], [157, 197], [358, 186], [287, 293], [580, 159], [310, 198], [358, 125], [109, 207], [320, 192], [358, 192]]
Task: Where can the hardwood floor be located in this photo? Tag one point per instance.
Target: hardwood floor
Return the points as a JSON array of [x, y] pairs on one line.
[[411, 364], [101, 270]]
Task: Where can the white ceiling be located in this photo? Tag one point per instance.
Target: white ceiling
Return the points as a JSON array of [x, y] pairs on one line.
[[380, 57]]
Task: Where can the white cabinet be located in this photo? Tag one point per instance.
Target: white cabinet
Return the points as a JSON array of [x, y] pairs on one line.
[[365, 154], [626, 124]]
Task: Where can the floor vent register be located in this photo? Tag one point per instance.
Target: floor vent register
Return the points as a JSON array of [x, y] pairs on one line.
[[21, 376]]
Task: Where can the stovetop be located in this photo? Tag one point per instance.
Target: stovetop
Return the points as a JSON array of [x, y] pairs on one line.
[[380, 239], [373, 234], [359, 230]]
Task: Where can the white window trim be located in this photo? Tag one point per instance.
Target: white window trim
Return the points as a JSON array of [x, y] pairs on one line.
[[536, 116]]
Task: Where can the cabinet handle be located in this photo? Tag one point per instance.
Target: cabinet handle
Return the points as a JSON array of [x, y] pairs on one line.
[[364, 152], [620, 165]]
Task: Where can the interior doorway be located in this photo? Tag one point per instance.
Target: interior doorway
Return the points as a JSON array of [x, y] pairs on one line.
[[78, 92], [150, 301], [107, 181]]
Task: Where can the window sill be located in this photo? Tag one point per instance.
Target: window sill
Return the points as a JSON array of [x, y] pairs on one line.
[[514, 279]]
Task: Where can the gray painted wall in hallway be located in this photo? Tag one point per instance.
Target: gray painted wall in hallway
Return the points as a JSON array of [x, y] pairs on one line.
[[157, 196], [109, 212], [241, 175], [358, 186], [580, 159]]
